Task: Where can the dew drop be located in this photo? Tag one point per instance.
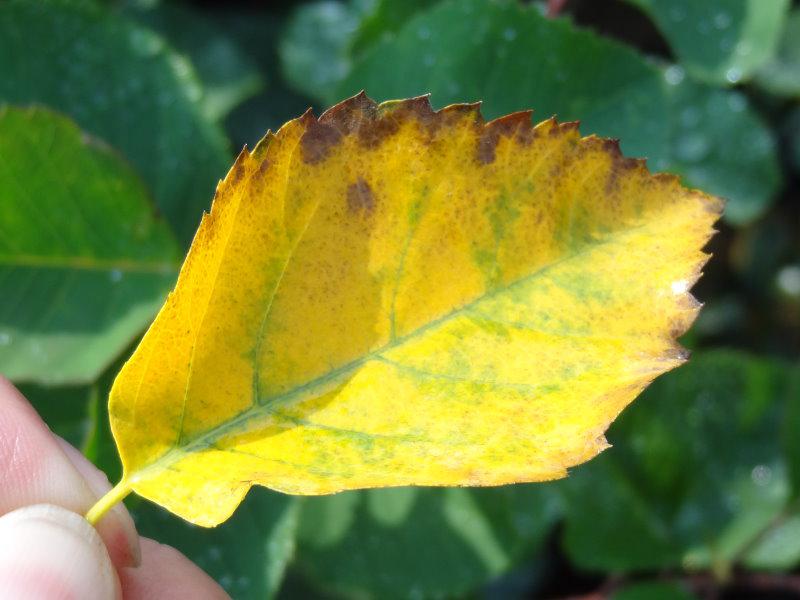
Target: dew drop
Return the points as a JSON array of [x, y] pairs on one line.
[[733, 75], [661, 164], [509, 34], [761, 475], [5, 338], [731, 502], [788, 281], [677, 14], [760, 143], [693, 147], [214, 553], [145, 43], [722, 20], [674, 75], [424, 33]]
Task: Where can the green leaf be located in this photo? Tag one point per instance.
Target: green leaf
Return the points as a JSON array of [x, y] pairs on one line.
[[314, 47], [383, 21], [64, 409], [719, 41], [789, 437], [229, 76], [121, 83], [322, 38], [421, 542], [779, 548], [512, 58], [246, 555], [781, 75], [717, 142], [653, 591], [84, 265], [250, 27], [697, 472]]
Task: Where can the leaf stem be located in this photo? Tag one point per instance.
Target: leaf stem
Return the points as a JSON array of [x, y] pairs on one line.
[[107, 502]]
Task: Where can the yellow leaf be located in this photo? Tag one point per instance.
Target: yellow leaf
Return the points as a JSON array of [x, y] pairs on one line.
[[394, 296]]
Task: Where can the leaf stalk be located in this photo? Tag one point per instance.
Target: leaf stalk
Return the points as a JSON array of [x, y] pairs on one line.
[[114, 496]]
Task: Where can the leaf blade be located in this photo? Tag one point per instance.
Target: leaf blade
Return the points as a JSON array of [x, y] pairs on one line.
[[418, 229]]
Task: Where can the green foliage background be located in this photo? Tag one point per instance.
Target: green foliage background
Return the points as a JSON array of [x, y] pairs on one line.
[[117, 118]]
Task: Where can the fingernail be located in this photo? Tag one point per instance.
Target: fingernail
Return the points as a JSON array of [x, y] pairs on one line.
[[116, 528], [49, 552]]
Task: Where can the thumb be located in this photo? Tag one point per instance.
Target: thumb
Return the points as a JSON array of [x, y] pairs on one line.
[[48, 552]]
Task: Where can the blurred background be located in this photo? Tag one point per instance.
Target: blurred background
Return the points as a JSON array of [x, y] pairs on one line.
[[118, 118]]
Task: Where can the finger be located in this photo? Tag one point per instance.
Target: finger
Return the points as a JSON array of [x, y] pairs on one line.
[[123, 553], [34, 469], [165, 574], [50, 553]]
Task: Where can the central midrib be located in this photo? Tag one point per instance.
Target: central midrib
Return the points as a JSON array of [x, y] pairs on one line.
[[267, 406]]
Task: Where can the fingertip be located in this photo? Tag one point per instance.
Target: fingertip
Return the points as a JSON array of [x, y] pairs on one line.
[[49, 552]]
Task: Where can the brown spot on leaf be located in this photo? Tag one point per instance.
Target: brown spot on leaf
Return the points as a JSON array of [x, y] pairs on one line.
[[457, 112], [236, 173], [516, 124], [237, 170], [317, 141], [376, 132], [570, 126], [619, 167], [566, 128], [418, 108], [360, 197], [666, 178], [351, 115]]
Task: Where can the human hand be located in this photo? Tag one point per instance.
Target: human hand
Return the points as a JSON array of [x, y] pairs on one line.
[[49, 551]]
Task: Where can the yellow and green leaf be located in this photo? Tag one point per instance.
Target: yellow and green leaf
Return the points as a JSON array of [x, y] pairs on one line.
[[389, 295]]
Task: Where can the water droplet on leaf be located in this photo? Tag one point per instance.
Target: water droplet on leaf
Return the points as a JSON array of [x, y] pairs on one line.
[[722, 20], [733, 75], [674, 75], [693, 147]]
